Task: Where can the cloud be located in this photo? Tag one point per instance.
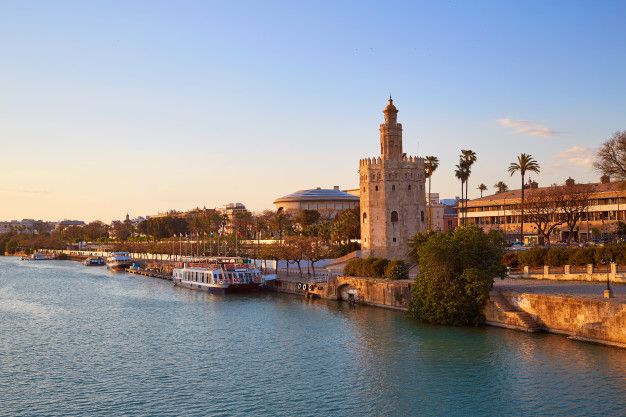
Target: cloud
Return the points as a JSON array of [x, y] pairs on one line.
[[578, 155], [526, 127]]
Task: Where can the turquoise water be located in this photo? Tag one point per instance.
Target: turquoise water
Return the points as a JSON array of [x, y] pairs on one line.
[[77, 341]]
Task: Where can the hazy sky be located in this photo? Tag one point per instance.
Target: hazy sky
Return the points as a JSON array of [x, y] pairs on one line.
[[113, 107]]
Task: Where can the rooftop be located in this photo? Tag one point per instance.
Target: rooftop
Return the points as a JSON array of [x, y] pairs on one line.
[[318, 194]]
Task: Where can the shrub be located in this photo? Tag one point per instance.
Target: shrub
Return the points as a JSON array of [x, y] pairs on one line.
[[378, 267], [510, 260], [456, 273], [557, 257], [582, 256], [533, 257], [371, 267], [396, 270]]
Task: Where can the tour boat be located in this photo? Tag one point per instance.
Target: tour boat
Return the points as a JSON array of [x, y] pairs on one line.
[[218, 278], [119, 261], [95, 261], [37, 256]]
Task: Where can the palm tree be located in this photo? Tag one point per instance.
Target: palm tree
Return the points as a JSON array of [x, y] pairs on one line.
[[467, 159], [501, 187], [525, 162], [481, 188], [462, 175], [430, 166]]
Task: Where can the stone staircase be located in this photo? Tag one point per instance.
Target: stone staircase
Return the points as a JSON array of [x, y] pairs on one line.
[[511, 316]]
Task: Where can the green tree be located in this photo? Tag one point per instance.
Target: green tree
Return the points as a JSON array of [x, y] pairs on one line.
[[456, 273], [525, 163], [482, 188], [501, 187], [431, 163]]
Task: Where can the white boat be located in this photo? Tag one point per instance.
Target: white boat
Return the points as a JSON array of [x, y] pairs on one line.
[[218, 278], [119, 261], [37, 256]]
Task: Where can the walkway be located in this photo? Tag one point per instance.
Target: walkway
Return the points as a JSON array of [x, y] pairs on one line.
[[577, 288]]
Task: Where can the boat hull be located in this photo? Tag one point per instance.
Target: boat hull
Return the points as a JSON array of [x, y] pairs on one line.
[[119, 266], [219, 289]]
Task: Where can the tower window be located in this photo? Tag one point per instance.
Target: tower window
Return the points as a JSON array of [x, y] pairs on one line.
[[409, 186], [363, 189], [422, 215], [394, 239], [364, 217], [376, 188], [394, 217], [393, 188]]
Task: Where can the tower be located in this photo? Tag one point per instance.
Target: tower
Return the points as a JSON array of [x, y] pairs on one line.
[[392, 190]]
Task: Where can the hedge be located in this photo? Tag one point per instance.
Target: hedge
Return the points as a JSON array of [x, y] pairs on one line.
[[376, 268], [537, 257]]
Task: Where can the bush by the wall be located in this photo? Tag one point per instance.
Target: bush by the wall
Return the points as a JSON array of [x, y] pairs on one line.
[[375, 268], [557, 257], [510, 260], [534, 257], [397, 270]]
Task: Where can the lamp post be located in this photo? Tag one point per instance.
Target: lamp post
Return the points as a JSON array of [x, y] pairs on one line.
[[607, 260]]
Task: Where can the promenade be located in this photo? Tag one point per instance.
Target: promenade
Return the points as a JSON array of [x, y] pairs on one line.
[[549, 287]]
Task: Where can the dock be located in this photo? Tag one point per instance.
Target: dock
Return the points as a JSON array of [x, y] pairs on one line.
[[149, 273]]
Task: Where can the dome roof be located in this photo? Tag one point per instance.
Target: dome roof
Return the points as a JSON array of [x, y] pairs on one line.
[[318, 194]]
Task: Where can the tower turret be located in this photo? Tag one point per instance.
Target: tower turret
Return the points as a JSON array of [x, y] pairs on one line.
[[391, 133]]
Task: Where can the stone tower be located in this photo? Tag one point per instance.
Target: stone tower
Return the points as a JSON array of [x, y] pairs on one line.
[[393, 198]]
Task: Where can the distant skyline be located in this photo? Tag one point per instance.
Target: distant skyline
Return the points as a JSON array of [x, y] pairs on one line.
[[108, 108]]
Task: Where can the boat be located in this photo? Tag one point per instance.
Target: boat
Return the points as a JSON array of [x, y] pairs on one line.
[[37, 256], [94, 261], [218, 278], [118, 261]]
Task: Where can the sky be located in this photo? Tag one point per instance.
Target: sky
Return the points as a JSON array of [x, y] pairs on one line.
[[139, 107]]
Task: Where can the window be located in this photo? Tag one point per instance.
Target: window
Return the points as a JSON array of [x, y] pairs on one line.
[[364, 218], [409, 186], [393, 188], [394, 239], [422, 215], [376, 188], [394, 217]]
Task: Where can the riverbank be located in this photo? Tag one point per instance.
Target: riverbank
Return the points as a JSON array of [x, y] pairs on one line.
[[576, 310]]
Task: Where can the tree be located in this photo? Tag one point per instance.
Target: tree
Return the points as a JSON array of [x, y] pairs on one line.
[[481, 188], [461, 173], [525, 163], [456, 272], [543, 209], [431, 163], [501, 187], [573, 201], [346, 226], [315, 249], [468, 157], [611, 157]]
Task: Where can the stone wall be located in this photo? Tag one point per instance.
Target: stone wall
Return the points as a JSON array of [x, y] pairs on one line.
[[590, 319]]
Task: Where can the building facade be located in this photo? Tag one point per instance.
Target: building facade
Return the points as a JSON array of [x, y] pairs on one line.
[[501, 211], [392, 193]]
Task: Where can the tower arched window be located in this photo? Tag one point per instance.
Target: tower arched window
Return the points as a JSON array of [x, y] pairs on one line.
[[376, 188], [393, 188], [394, 217], [409, 186], [364, 217], [422, 215]]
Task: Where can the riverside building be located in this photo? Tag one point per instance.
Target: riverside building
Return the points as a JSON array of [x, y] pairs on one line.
[[606, 207], [392, 193]]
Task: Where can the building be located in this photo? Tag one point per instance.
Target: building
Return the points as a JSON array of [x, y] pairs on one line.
[[393, 200], [450, 214], [500, 211], [435, 212], [328, 202]]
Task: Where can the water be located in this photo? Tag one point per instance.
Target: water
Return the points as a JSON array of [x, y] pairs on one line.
[[79, 341]]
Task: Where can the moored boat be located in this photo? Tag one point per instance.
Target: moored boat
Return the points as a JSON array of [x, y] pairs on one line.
[[119, 261], [218, 278], [94, 261], [37, 256]]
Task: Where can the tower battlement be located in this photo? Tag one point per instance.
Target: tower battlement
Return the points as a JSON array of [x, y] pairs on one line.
[[379, 161]]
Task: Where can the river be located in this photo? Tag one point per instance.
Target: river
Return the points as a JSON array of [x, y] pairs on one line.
[[78, 341]]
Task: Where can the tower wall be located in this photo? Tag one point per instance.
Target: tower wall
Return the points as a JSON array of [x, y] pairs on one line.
[[393, 198]]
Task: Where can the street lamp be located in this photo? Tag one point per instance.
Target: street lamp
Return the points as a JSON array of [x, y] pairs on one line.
[[607, 260]]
